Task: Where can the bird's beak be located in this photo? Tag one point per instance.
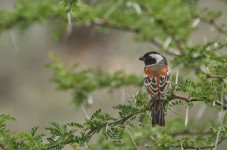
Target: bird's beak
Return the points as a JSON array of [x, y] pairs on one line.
[[141, 58]]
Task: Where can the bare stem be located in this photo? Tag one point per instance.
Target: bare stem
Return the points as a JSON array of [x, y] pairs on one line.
[[194, 100], [198, 148]]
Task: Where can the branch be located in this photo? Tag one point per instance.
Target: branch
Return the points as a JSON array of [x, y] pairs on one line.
[[155, 42], [92, 131], [169, 51], [195, 100], [198, 148], [214, 24], [2, 146], [117, 122], [216, 76], [188, 132]]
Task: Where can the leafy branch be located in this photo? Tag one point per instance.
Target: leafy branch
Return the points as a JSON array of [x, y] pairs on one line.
[[61, 135], [83, 82], [82, 13], [167, 25]]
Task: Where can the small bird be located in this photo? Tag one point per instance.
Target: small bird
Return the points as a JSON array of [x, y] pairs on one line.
[[157, 84]]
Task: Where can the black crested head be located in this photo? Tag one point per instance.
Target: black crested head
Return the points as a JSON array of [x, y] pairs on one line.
[[152, 57]]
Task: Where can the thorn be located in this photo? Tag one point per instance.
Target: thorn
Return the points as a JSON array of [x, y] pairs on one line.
[[137, 8], [177, 75], [127, 92], [90, 100], [69, 25], [107, 125], [186, 117], [85, 113], [195, 22], [181, 145], [175, 111], [86, 145], [167, 42], [132, 138]]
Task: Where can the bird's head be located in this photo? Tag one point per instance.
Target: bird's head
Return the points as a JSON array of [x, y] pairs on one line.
[[153, 58]]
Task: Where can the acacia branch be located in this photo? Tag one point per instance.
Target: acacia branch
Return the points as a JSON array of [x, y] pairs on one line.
[[114, 123], [155, 42], [197, 147], [188, 132], [215, 77], [174, 97], [214, 24], [92, 131]]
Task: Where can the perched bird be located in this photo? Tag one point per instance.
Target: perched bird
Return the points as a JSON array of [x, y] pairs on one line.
[[157, 83]]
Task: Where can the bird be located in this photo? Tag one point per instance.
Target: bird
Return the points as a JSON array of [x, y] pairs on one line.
[[157, 84]]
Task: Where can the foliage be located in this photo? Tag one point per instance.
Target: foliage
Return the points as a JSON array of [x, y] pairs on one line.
[[83, 82], [166, 24]]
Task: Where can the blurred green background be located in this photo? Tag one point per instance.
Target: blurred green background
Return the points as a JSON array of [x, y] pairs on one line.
[[25, 90]]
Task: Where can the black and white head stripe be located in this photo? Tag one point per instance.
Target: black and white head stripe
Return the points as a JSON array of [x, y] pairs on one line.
[[151, 58]]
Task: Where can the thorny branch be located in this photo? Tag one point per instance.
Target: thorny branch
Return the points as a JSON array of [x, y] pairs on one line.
[[188, 132], [214, 24], [155, 42], [92, 131], [194, 100], [121, 121], [198, 148]]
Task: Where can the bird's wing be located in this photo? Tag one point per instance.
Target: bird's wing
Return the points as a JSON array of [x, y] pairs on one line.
[[157, 84]]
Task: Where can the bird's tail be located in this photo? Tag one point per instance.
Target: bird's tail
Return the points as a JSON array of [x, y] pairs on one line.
[[157, 112]]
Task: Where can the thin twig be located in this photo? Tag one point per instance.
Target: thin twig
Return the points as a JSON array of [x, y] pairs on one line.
[[222, 118], [199, 147], [215, 76], [132, 138], [2, 146], [177, 75], [195, 100], [85, 113], [120, 121], [169, 51], [155, 42], [127, 92], [175, 111], [186, 116], [188, 132], [214, 24]]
